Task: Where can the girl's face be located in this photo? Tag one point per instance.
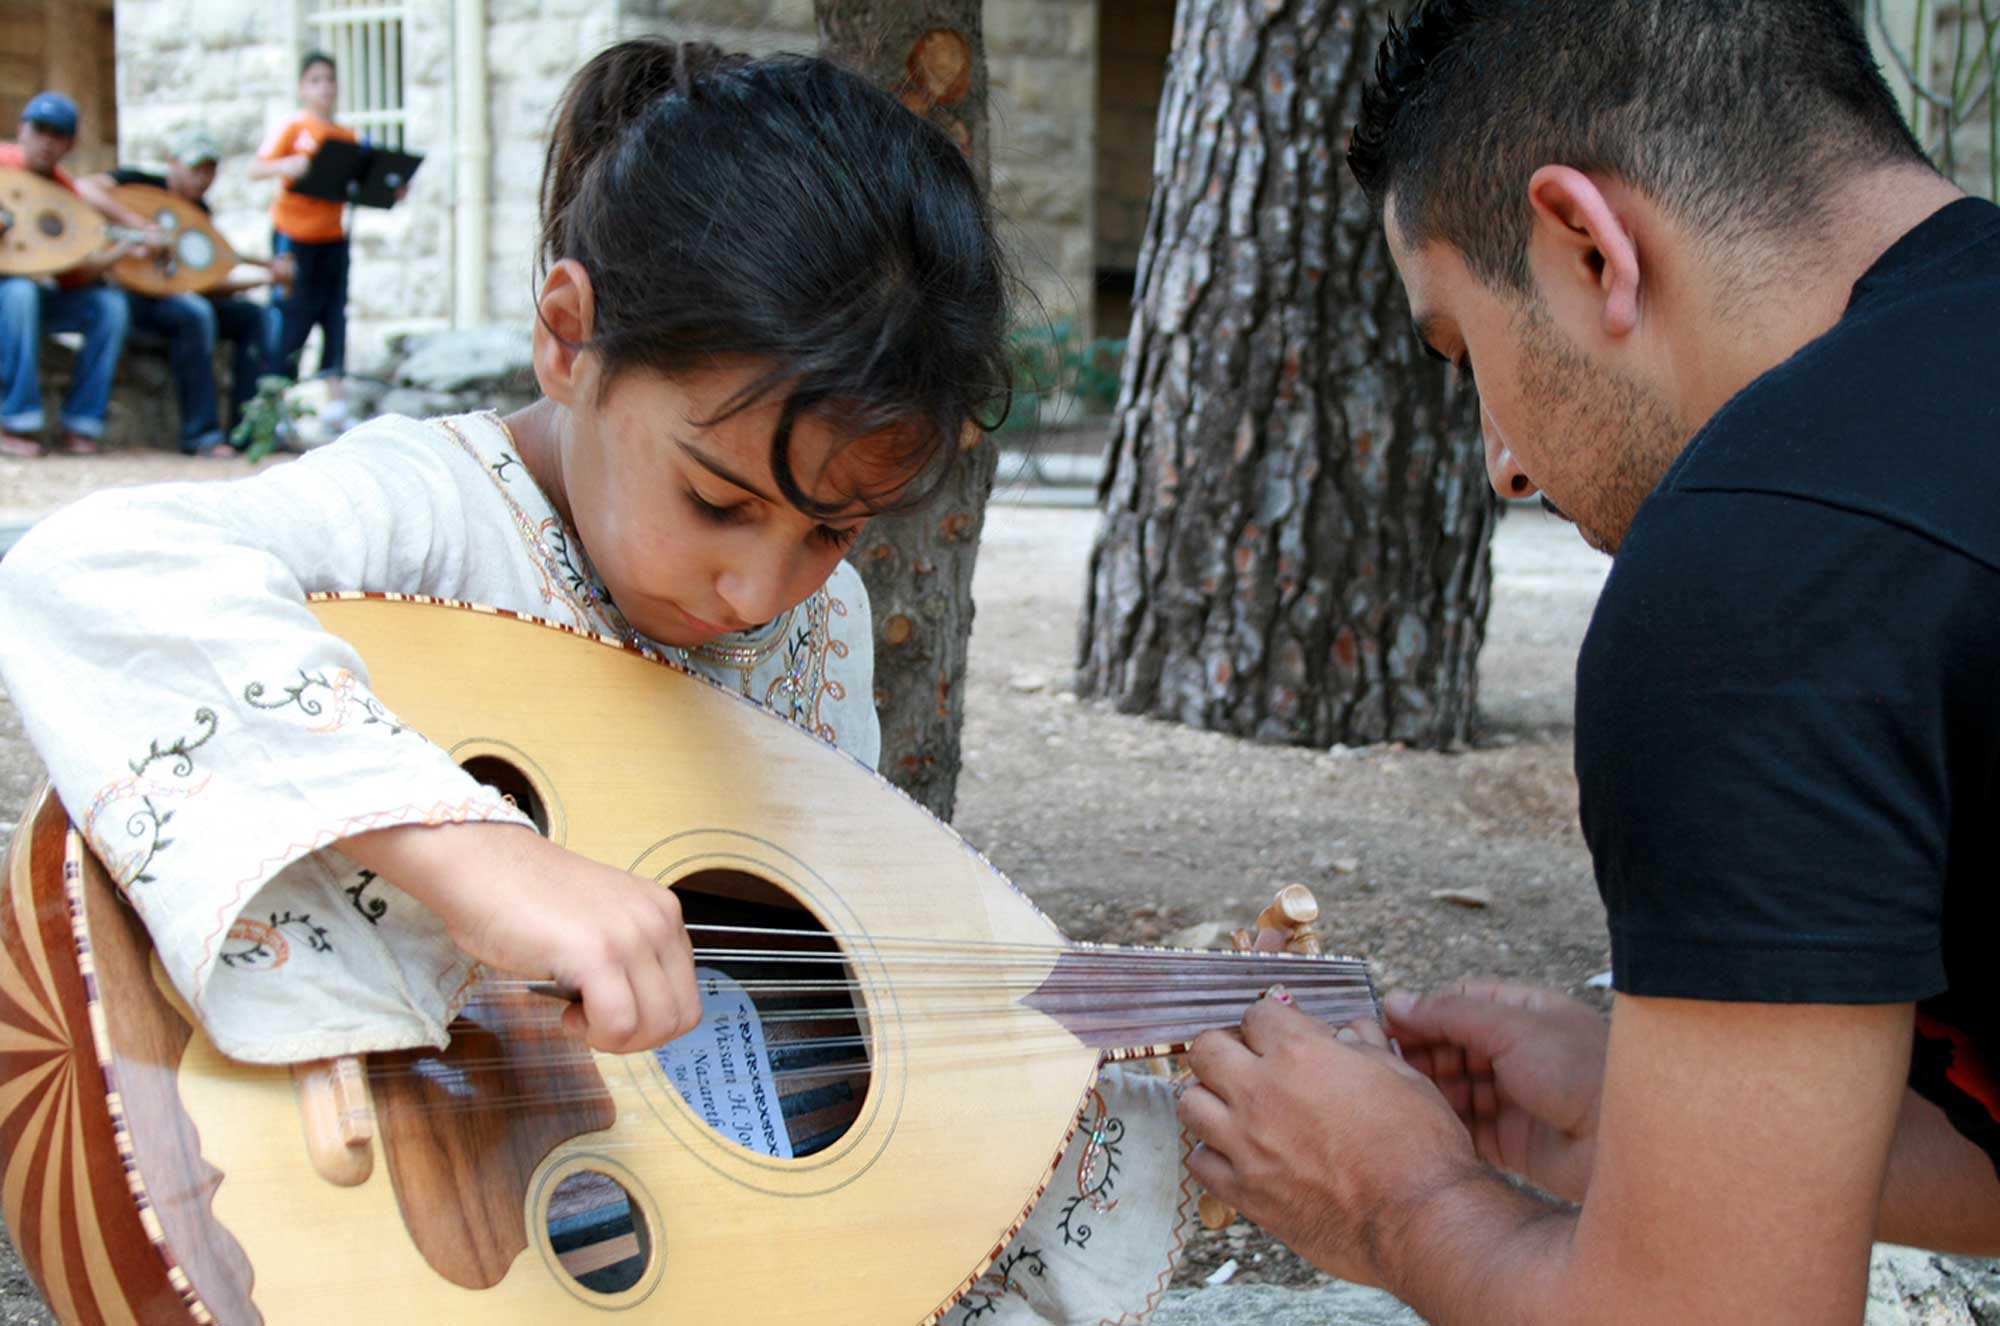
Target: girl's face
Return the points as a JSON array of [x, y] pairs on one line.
[[685, 522], [318, 88]]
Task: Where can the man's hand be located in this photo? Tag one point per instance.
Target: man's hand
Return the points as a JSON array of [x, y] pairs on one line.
[[1522, 1066], [1328, 1141], [523, 905]]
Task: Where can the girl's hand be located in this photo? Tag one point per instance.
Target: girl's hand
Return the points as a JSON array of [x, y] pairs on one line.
[[294, 167], [525, 906]]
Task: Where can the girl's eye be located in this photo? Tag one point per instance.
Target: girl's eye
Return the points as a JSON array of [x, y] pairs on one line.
[[721, 515], [830, 537]]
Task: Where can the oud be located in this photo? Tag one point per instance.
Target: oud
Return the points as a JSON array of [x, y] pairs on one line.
[[928, 1036], [44, 229]]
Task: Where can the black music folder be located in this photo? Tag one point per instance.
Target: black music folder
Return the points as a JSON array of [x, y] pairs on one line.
[[368, 176]]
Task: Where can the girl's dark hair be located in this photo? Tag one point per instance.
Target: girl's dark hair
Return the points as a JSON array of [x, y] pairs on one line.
[[783, 211], [312, 58]]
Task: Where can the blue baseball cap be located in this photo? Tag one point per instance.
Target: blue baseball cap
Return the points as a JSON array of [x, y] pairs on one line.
[[52, 111]]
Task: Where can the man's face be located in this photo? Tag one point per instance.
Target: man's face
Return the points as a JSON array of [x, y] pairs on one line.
[[43, 148], [1594, 441]]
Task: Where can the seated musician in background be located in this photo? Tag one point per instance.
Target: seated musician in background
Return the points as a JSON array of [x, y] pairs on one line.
[[190, 324], [74, 300]]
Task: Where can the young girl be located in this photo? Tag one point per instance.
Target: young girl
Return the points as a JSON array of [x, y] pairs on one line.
[[313, 230], [770, 301]]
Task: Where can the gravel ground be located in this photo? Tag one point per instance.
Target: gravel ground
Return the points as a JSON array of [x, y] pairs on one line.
[[1129, 829]]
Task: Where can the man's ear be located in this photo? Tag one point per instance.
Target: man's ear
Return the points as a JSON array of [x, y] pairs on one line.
[[565, 311], [1581, 247]]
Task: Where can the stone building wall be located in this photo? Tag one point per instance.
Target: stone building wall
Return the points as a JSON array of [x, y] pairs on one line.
[[231, 65], [1042, 66], [540, 45]]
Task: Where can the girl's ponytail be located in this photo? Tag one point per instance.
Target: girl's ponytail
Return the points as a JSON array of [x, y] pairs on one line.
[[604, 99], [783, 213]]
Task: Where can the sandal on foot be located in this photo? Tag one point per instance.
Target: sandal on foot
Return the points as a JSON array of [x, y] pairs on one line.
[[13, 444], [76, 444]]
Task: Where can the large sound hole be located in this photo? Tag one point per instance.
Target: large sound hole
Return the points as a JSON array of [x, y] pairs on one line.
[[807, 1015], [196, 250]]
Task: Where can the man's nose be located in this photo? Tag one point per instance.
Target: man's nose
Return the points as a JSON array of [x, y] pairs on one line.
[[1502, 470]]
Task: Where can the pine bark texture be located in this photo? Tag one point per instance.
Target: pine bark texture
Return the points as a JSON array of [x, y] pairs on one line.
[[918, 568], [1294, 542]]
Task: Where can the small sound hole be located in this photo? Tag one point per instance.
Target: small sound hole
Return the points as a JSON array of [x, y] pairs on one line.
[[598, 1232], [511, 783]]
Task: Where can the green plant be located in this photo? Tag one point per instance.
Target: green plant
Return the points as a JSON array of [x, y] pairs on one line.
[[1948, 57], [1049, 358], [267, 418]]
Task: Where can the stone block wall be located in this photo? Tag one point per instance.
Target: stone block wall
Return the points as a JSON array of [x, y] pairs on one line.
[[1042, 67], [231, 65], [533, 48]]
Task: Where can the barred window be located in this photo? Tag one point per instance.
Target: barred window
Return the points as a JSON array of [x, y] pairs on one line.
[[365, 39]]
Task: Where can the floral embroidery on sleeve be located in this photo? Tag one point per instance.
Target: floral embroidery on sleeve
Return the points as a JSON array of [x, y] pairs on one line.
[[342, 692], [254, 945], [128, 861], [372, 910]]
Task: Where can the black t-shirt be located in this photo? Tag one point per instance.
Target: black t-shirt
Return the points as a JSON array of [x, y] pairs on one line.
[[128, 175], [1788, 704]]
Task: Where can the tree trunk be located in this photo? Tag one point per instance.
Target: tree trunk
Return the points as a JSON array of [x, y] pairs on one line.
[[1295, 528], [918, 568]]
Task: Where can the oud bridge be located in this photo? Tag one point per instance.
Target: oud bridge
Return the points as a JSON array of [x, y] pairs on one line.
[[338, 1119]]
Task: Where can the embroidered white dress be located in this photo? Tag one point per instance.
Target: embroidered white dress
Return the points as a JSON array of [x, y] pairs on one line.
[[212, 742]]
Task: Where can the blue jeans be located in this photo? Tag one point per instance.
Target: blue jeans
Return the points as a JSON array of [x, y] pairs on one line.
[[318, 298], [28, 309], [248, 326], [190, 324]]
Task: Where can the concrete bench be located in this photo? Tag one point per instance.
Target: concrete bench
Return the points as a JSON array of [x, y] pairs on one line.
[[145, 404]]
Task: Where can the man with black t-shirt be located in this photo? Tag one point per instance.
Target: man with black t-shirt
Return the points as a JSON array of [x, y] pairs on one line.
[[1728, 319], [191, 324]]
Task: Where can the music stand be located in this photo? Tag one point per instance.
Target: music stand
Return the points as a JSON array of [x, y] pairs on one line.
[[344, 172]]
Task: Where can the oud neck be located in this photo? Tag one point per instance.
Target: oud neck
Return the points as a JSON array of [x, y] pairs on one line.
[[1138, 1003]]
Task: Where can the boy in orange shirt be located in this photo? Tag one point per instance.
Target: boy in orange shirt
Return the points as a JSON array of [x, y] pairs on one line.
[[312, 230]]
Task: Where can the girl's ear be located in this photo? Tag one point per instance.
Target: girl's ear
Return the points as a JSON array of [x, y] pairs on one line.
[[564, 314]]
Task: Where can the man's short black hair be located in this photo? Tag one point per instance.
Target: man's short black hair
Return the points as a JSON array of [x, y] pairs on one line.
[[311, 58], [1734, 115]]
